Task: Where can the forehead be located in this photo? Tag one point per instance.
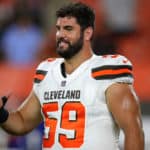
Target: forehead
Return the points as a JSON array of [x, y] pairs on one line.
[[63, 21]]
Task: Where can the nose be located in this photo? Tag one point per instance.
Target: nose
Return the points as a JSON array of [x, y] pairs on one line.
[[60, 34]]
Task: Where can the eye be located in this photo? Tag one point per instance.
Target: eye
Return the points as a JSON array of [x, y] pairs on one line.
[[68, 28], [57, 27]]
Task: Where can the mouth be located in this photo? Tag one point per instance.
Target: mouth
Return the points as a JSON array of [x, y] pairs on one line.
[[62, 43]]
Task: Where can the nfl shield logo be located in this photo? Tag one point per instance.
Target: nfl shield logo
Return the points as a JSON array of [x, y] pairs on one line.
[[63, 83]]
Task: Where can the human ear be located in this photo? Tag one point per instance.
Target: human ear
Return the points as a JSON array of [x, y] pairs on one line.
[[88, 33]]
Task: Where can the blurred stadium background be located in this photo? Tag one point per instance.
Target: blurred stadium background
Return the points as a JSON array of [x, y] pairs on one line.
[[27, 37]]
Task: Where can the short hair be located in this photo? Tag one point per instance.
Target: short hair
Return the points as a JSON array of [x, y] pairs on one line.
[[84, 14]]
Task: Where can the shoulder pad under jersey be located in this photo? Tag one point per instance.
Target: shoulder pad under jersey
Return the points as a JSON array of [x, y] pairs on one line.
[[43, 68], [109, 67]]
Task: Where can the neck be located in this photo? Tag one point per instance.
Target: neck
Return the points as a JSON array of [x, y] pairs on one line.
[[77, 60]]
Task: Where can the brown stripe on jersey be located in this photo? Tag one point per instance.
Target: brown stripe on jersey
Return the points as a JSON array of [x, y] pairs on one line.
[[112, 71], [39, 76]]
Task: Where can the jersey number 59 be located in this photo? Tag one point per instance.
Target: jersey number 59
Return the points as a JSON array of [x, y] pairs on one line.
[[71, 123]]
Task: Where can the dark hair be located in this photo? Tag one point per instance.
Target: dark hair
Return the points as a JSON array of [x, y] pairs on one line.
[[84, 15]]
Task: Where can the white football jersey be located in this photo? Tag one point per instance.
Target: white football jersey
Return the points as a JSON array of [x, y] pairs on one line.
[[74, 108]]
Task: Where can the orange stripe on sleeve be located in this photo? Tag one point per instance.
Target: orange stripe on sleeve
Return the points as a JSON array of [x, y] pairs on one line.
[[110, 72], [39, 76]]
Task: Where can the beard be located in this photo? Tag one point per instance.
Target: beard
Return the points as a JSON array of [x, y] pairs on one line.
[[72, 49]]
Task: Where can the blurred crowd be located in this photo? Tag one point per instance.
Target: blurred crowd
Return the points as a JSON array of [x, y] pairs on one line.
[[27, 37], [27, 27]]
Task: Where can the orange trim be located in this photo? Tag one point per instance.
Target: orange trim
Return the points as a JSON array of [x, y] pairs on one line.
[[51, 59], [110, 72], [39, 76]]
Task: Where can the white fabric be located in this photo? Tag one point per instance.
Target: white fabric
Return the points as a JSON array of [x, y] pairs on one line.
[[80, 94]]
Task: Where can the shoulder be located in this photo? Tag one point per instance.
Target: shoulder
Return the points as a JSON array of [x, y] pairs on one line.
[[49, 63], [111, 67], [44, 67], [112, 60]]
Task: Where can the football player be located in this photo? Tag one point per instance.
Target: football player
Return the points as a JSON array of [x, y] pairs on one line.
[[83, 99]]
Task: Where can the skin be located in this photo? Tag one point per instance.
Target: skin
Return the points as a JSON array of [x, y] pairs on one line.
[[25, 118], [68, 29], [125, 108]]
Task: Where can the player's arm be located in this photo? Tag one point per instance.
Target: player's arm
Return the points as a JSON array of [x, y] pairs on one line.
[[25, 118], [125, 109]]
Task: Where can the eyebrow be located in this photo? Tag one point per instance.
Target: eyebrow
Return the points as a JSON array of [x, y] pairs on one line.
[[65, 27], [57, 26]]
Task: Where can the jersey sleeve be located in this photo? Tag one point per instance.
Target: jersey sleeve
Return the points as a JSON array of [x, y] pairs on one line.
[[41, 73], [42, 70], [39, 76], [114, 69]]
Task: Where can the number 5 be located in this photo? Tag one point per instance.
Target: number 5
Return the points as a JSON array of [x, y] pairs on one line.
[[76, 124]]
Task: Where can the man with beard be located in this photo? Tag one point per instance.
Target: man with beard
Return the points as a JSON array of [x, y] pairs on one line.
[[83, 99]]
